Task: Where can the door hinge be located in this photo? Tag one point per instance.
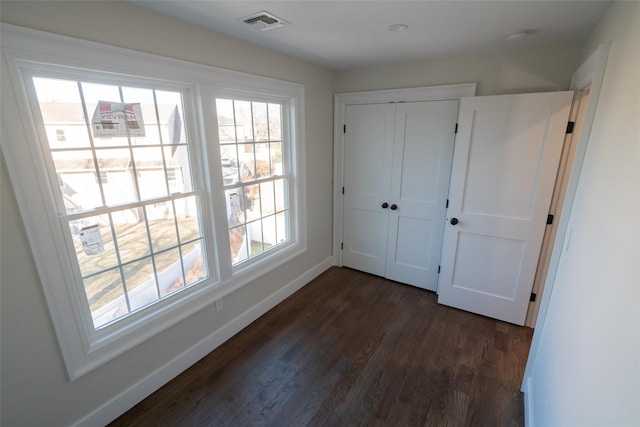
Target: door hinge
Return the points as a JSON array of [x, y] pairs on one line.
[[447, 206], [549, 219], [341, 245], [344, 129], [570, 127], [342, 190], [456, 131], [532, 298], [438, 269]]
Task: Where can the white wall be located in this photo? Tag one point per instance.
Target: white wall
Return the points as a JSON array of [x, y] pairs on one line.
[[35, 388], [534, 69], [587, 367]]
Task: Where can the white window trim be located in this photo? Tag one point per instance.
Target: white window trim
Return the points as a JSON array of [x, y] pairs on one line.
[[24, 48]]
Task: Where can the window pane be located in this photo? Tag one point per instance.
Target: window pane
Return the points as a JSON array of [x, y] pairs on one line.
[[235, 207], [229, 160], [188, 221], [267, 198], [106, 297], [140, 282], [162, 226], [131, 234], [78, 179], [247, 162], [282, 227], [244, 122], [120, 186], [169, 268], [263, 163], [238, 243], [275, 122], [178, 169], [269, 231], [280, 194], [226, 121], [150, 172], [144, 97], [275, 149], [260, 123], [192, 258], [62, 113], [171, 116], [254, 232], [252, 201], [93, 244]]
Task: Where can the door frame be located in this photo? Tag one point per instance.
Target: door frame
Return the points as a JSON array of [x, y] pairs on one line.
[[590, 72], [578, 109], [341, 100]]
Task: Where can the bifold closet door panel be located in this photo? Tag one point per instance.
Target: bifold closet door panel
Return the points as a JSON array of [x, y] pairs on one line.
[[423, 149], [368, 149]]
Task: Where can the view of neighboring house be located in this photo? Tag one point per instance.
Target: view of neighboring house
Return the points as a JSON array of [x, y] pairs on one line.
[[78, 171]]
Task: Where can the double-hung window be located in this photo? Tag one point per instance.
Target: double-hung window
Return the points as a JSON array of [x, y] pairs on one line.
[[136, 237], [255, 176], [149, 187]]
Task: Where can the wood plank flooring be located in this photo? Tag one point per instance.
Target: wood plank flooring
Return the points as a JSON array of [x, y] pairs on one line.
[[352, 349]]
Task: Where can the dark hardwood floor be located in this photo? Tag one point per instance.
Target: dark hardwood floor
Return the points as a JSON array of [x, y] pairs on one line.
[[351, 349]]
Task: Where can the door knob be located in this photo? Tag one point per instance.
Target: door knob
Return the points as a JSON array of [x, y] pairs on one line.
[[394, 207], [385, 205], [454, 221]]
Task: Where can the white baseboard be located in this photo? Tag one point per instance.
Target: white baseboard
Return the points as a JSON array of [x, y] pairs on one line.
[[528, 403], [143, 388]]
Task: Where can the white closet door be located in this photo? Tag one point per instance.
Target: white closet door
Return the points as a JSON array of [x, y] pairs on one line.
[[368, 149], [504, 166], [423, 149]]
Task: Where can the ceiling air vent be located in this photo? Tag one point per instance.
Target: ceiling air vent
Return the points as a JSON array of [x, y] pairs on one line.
[[264, 21]]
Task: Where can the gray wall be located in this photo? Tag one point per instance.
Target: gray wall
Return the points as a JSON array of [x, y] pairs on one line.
[[587, 369], [535, 69], [35, 387]]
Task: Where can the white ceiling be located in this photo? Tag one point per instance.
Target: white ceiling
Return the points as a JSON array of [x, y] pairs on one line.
[[351, 34]]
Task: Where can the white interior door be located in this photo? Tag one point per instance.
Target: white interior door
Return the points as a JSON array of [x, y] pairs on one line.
[[504, 166], [396, 178], [423, 148], [368, 149]]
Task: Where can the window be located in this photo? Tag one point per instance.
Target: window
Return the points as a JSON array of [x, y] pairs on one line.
[[255, 176], [150, 187], [136, 239]]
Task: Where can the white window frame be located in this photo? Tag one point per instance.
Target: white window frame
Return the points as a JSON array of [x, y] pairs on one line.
[[93, 337], [289, 153], [26, 51]]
